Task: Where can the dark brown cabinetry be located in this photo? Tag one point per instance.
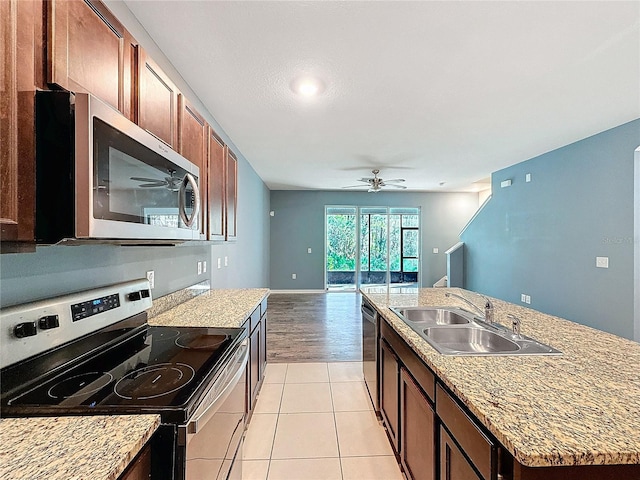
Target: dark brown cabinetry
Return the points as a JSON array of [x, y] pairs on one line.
[[157, 101], [389, 384], [231, 196], [216, 186], [88, 50], [192, 144], [21, 54], [453, 464], [257, 325], [140, 467], [417, 430]]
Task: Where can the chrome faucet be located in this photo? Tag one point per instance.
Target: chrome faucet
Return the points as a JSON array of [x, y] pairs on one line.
[[515, 324], [488, 306]]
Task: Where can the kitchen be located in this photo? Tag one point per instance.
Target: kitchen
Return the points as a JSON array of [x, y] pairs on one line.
[[256, 258]]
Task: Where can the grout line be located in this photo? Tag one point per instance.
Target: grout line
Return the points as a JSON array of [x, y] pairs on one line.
[[335, 425]]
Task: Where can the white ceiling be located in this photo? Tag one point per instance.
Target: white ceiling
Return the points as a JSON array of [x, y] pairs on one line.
[[428, 91]]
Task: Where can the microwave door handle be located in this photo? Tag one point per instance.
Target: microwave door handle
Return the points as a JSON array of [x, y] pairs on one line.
[[189, 179]]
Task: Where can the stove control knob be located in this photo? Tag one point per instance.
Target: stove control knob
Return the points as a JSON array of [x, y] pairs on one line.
[[27, 329], [49, 321], [134, 296]]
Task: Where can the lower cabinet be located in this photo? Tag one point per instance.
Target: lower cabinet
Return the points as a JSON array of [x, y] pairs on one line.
[[140, 467], [389, 383], [257, 326], [417, 429], [453, 464]]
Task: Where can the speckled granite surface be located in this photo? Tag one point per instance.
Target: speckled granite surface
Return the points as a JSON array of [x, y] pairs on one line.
[[581, 408], [162, 304], [213, 308], [72, 448]]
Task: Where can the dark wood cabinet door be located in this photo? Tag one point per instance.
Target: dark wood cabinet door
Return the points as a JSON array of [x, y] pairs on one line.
[[192, 144], [157, 101], [453, 464], [389, 393], [418, 430], [21, 54], [263, 345], [140, 467], [88, 50], [254, 367], [232, 196], [216, 185]]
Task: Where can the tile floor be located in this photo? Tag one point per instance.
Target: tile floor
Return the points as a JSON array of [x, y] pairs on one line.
[[315, 421]]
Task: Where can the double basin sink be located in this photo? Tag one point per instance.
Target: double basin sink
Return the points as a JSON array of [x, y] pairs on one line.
[[455, 331]]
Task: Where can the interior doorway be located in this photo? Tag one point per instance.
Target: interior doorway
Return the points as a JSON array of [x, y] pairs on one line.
[[371, 246]]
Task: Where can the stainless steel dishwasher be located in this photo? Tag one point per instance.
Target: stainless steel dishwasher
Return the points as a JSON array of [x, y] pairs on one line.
[[370, 334]]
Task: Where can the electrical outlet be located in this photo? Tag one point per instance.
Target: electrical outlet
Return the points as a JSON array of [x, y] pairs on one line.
[[219, 263], [204, 266], [151, 276], [226, 261], [199, 268], [527, 177], [602, 262], [527, 299], [309, 250], [294, 276], [436, 250]]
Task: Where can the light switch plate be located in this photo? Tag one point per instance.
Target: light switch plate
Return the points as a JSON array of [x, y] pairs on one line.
[[602, 262]]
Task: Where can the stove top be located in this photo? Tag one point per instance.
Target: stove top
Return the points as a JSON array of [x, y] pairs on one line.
[[125, 367]]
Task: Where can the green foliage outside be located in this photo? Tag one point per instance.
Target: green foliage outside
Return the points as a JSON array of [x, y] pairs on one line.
[[341, 244]]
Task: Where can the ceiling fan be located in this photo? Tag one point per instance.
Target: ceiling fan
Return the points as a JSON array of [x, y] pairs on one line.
[[171, 182], [375, 183]]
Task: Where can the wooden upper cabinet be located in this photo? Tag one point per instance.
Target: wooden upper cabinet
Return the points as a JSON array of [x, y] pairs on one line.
[[21, 54], [232, 196], [88, 50], [192, 144], [216, 184], [157, 101]]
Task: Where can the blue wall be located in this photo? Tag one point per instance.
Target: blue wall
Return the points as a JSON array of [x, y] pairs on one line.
[[299, 224], [542, 238]]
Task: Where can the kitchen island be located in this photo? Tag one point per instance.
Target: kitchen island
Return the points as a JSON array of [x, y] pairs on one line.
[[580, 409]]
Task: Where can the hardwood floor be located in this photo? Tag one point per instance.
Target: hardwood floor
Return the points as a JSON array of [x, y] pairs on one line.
[[314, 327]]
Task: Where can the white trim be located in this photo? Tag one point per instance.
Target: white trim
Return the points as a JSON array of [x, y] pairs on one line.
[[484, 204], [275, 292], [636, 248]]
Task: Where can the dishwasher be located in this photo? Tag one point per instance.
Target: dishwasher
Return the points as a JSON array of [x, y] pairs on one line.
[[370, 335]]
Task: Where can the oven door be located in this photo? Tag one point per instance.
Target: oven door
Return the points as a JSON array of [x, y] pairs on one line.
[[137, 186], [215, 432]]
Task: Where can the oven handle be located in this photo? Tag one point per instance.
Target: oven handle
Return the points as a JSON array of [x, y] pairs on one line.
[[189, 179], [206, 410]]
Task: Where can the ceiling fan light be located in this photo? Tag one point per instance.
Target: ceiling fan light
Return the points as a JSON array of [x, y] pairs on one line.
[[307, 86]]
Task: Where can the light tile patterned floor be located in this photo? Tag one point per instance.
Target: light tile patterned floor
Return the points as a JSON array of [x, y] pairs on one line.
[[314, 421]]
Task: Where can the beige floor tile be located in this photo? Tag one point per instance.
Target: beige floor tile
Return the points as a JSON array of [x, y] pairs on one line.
[[305, 435], [350, 397], [275, 373], [269, 398], [306, 469], [258, 441], [360, 435], [255, 469], [306, 397], [371, 468], [307, 373], [345, 372]]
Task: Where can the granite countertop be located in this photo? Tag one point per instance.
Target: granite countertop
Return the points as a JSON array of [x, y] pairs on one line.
[[227, 308], [72, 448], [581, 408]]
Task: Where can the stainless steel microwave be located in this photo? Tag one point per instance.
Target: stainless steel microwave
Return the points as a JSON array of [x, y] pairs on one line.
[[99, 176]]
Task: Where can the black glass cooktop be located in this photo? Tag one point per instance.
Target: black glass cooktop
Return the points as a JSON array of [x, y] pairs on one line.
[[150, 369]]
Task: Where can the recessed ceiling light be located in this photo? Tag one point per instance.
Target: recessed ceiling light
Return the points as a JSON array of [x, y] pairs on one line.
[[307, 86]]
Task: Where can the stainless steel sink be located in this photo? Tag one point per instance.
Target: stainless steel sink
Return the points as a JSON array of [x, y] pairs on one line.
[[435, 316], [470, 340], [455, 331]]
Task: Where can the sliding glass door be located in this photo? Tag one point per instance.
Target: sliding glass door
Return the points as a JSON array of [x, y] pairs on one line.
[[371, 246]]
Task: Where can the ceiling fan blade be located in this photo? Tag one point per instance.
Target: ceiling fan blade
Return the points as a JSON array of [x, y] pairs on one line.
[[144, 179], [365, 180], [395, 180], [402, 187], [357, 186], [152, 185]]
